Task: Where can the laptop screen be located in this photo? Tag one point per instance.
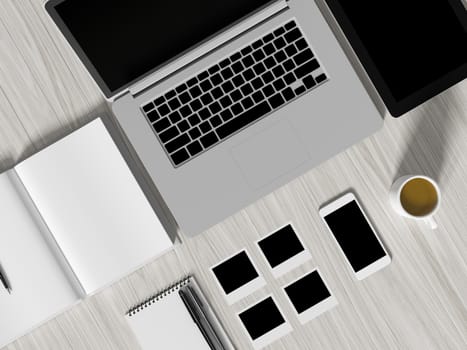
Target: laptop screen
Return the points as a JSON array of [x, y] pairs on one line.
[[121, 41]]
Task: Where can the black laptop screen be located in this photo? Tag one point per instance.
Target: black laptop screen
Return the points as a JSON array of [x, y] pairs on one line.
[[124, 40]]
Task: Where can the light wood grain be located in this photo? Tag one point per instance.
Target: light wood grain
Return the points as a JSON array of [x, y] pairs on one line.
[[418, 302]]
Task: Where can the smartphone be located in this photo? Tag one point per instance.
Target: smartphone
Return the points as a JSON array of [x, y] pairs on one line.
[[355, 236]]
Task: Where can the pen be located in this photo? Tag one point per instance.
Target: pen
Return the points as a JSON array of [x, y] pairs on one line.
[[4, 280]]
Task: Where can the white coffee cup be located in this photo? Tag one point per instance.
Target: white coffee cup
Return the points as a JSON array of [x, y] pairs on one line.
[[396, 202]]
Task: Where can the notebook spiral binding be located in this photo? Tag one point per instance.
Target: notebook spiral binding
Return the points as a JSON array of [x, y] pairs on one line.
[[151, 300]]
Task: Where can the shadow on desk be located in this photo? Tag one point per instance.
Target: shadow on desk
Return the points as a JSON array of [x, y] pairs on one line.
[[426, 150]]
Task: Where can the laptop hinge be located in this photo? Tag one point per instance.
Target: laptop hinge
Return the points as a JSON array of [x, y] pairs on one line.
[[209, 46]]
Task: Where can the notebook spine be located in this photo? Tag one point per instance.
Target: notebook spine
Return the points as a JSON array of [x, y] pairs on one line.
[[151, 300]]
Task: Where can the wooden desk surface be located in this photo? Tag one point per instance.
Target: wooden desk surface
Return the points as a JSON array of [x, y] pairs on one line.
[[418, 302]]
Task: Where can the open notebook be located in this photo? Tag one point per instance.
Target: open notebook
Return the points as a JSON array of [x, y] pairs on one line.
[[73, 220], [164, 322]]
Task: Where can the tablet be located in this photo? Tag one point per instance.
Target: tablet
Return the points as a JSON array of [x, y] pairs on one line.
[[411, 50]]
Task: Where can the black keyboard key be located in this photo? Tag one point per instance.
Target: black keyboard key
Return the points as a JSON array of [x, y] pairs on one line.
[[290, 25], [177, 143], [293, 35], [194, 133], [215, 121], [216, 79], [235, 57], [257, 83], [243, 120], [192, 81], [153, 116], [258, 96], [174, 103], [300, 90], [160, 100], [278, 71], [183, 126], [259, 68], [269, 62], [279, 43], [269, 49], [185, 97], [257, 44], [267, 77], [258, 55], [225, 101], [276, 100], [303, 56], [195, 91], [279, 84], [214, 69], [306, 68], [248, 74], [181, 88], [238, 81], [206, 99], [237, 108], [227, 87], [170, 94], [280, 56], [224, 63], [203, 75], [309, 81], [301, 44], [279, 31], [161, 124], [289, 78], [175, 117], [237, 67], [288, 94], [245, 51], [291, 50], [205, 113], [320, 78], [214, 107], [194, 148], [206, 85], [247, 102], [194, 119], [209, 139], [163, 110], [268, 90], [226, 115], [217, 92], [180, 156], [227, 73], [236, 95], [248, 61], [169, 134], [185, 111], [246, 89], [196, 105], [148, 107], [205, 127], [268, 38], [289, 65]]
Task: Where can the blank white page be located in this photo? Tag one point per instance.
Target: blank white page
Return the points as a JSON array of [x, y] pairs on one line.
[[93, 206], [40, 288], [167, 324]]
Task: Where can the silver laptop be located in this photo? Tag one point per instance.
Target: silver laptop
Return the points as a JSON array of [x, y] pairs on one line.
[[223, 101]]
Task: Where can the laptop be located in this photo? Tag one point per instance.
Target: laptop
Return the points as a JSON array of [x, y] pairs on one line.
[[223, 101]]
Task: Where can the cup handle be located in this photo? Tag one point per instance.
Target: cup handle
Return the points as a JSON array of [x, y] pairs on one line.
[[432, 223]]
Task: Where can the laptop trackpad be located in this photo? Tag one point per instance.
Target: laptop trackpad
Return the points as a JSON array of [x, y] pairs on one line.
[[269, 154]]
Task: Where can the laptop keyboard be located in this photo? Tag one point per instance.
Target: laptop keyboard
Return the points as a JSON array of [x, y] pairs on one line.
[[232, 94]]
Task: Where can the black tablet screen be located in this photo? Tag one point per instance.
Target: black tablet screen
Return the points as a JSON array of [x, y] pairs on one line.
[[410, 43]]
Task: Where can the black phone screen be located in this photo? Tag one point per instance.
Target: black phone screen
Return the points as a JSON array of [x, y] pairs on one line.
[[355, 236]]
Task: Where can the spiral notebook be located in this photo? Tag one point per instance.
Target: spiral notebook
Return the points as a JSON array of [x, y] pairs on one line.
[[164, 322]]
